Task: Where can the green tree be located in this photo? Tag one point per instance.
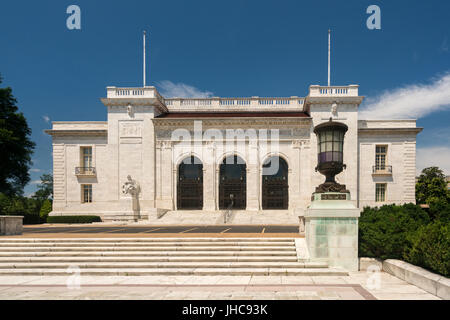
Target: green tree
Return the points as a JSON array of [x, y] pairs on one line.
[[15, 145], [45, 188], [45, 210], [431, 186]]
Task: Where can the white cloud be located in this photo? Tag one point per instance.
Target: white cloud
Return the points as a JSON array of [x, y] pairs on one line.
[[180, 90], [46, 118], [35, 170], [412, 101], [438, 156], [35, 182]]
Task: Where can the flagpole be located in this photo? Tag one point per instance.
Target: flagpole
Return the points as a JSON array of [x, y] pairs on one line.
[[329, 55], [143, 73]]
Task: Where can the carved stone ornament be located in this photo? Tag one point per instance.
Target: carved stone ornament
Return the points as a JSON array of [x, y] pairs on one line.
[[334, 108], [130, 111], [331, 187]]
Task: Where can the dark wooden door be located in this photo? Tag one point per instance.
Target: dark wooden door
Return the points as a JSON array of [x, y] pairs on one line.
[[275, 188], [233, 180], [190, 185]]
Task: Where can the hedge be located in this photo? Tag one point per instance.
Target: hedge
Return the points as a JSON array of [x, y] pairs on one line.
[[73, 219], [384, 231], [430, 248]]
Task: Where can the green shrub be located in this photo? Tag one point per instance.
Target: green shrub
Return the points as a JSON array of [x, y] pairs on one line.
[[430, 248], [45, 210], [73, 219], [440, 210], [383, 231]]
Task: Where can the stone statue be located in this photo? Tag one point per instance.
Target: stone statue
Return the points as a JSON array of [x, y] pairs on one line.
[[130, 187]]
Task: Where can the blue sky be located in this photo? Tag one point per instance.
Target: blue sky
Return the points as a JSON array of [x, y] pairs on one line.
[[226, 48]]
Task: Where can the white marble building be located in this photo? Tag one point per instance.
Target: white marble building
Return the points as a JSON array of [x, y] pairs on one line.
[[92, 160]]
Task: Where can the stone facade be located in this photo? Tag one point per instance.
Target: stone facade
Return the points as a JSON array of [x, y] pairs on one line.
[[138, 140]]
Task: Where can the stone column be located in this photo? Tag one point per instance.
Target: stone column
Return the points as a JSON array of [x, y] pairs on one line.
[[166, 201], [294, 177], [209, 178]]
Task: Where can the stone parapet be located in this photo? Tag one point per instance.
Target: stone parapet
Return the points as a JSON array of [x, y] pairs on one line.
[[426, 280], [11, 225]]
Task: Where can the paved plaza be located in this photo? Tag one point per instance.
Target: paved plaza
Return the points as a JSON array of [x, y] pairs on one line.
[[361, 285], [356, 286]]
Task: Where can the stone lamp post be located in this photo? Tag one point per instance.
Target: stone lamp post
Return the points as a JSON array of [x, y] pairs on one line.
[[331, 221], [330, 146]]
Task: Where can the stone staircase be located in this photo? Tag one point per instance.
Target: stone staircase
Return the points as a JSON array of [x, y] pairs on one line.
[[239, 217], [158, 256]]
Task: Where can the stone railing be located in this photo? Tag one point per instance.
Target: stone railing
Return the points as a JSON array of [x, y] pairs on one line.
[[127, 93], [237, 103], [382, 170], [213, 103], [334, 91]]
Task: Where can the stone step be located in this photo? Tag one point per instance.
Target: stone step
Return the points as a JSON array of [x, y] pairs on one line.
[[148, 248], [159, 265], [150, 254], [147, 259], [149, 244], [179, 272]]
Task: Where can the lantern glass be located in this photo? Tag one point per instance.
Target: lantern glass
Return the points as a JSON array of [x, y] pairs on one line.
[[330, 145]]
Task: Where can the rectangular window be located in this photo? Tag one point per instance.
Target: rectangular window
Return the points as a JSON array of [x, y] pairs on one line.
[[86, 193], [380, 192], [86, 159], [380, 158]]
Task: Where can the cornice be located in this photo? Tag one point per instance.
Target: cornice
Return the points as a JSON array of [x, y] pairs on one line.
[[154, 102], [331, 99], [389, 130], [220, 122], [80, 132]]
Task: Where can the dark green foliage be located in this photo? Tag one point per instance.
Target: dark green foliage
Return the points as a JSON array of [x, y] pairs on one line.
[[15, 145], [45, 188], [430, 248], [20, 206], [431, 186], [73, 219], [440, 210], [383, 232], [45, 210]]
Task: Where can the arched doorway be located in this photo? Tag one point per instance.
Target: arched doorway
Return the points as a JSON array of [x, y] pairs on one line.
[[190, 184], [275, 188], [233, 180]]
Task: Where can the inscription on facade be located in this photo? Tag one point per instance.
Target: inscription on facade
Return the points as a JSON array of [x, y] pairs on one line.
[[333, 196], [132, 129]]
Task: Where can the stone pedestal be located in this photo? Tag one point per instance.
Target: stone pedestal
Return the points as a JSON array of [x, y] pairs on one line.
[[331, 230], [11, 225]]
